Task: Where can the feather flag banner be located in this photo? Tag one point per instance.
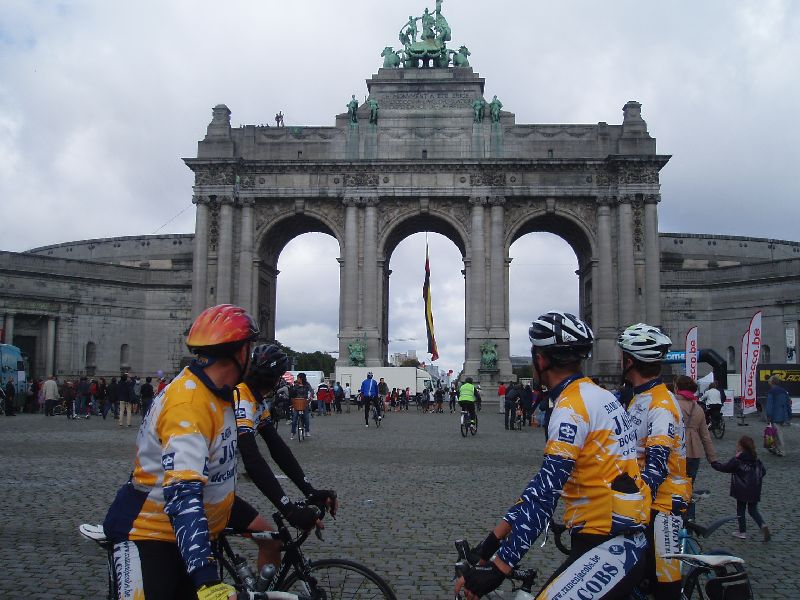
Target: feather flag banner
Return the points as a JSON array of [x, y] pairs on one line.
[[426, 296]]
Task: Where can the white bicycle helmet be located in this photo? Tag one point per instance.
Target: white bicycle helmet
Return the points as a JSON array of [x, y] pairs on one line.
[[562, 336], [644, 342]]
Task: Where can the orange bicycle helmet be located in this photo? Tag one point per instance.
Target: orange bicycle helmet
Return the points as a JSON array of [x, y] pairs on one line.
[[221, 330]]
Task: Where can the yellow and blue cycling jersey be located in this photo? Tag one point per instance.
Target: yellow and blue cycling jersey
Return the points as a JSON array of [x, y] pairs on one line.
[[182, 486], [590, 462], [251, 412], [661, 445]]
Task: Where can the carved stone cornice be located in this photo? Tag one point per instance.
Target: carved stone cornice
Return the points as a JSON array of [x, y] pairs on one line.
[[478, 200], [625, 198], [200, 200], [652, 198], [488, 178]]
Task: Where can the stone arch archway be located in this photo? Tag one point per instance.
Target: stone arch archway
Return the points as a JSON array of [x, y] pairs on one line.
[[273, 232], [369, 184], [399, 227]]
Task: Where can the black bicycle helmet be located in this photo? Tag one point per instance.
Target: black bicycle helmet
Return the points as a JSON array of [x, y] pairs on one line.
[[267, 363], [562, 337]]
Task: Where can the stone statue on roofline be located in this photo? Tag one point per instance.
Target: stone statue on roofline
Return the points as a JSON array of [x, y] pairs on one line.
[[431, 50]]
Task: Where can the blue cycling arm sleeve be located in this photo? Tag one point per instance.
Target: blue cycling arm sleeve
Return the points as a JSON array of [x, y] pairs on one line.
[[529, 516], [184, 505], [655, 467]]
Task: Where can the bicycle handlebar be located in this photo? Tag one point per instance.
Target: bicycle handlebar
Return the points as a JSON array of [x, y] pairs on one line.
[[468, 559]]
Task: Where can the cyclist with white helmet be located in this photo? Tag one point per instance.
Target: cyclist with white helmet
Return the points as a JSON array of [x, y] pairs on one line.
[[180, 495], [253, 415], [369, 391], [590, 462], [660, 449]]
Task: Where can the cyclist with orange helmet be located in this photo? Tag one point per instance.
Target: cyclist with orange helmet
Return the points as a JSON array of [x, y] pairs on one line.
[[180, 494]]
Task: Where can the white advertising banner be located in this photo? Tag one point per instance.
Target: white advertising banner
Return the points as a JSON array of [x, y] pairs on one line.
[[791, 346], [751, 366], [691, 353]]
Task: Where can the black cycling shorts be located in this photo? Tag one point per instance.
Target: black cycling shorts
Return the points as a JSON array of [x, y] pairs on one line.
[[151, 570], [242, 514]]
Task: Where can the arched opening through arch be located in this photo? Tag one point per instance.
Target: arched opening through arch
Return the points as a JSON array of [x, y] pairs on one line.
[[91, 358], [406, 332], [306, 316], [542, 277], [303, 312], [550, 269]]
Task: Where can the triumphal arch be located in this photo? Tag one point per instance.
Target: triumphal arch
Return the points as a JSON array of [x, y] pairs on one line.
[[427, 152]]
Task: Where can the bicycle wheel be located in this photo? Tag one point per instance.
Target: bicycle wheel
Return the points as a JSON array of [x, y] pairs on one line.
[[464, 426], [59, 410], [696, 580], [339, 580], [719, 429], [473, 427]]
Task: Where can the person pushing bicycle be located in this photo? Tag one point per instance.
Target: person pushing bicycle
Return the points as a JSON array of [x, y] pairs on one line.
[[253, 415], [590, 462], [661, 452], [369, 391]]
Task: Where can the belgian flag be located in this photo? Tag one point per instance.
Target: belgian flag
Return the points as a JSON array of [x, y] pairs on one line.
[[426, 296]]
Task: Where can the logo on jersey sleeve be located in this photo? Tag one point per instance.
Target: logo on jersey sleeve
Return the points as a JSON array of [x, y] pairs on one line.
[[671, 430], [241, 414], [168, 461], [567, 432]]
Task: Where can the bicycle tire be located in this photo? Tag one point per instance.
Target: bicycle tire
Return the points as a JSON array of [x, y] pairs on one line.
[[473, 428], [464, 429], [340, 580], [719, 429], [301, 434], [59, 411]]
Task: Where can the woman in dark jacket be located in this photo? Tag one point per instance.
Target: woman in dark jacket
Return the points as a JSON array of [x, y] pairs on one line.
[[747, 474]]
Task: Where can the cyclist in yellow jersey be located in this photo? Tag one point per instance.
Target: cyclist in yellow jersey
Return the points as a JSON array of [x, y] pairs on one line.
[[252, 408], [590, 461], [660, 449], [180, 494], [466, 398]]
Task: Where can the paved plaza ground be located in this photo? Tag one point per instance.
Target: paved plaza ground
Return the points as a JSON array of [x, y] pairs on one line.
[[407, 491]]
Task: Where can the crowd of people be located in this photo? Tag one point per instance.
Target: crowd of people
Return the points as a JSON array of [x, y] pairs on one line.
[[85, 397]]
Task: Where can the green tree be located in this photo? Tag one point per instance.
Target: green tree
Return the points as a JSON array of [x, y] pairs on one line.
[[410, 362]]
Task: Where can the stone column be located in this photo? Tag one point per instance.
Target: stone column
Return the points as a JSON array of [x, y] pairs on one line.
[[50, 347], [626, 278], [254, 283], [476, 327], [652, 259], [604, 362], [9, 327], [244, 290], [349, 286], [372, 288], [225, 251], [497, 264], [200, 256]]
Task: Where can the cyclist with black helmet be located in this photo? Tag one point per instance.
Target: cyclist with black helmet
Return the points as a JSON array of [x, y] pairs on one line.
[[180, 494], [253, 414], [660, 449], [590, 462]]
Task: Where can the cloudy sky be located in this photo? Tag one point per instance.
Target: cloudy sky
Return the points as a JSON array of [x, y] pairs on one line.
[[100, 99]]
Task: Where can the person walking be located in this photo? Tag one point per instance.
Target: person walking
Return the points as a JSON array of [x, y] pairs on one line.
[[82, 398], [125, 393], [50, 391], [338, 396], [348, 395], [776, 409], [112, 398], [526, 401], [747, 476], [68, 393], [147, 394], [11, 394], [453, 398], [698, 438], [510, 405]]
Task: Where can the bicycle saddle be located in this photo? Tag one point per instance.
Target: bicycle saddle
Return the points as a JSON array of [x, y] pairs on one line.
[[709, 560]]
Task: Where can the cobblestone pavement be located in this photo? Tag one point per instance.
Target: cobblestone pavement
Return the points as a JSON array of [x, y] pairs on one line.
[[407, 491]]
